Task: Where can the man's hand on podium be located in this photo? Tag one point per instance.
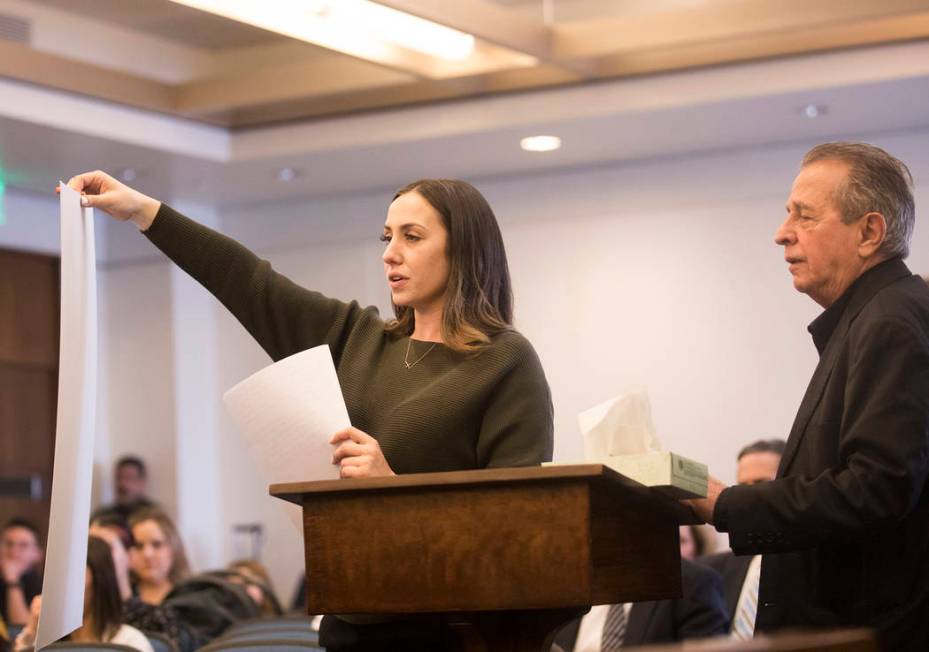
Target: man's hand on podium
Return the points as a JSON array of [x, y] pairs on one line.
[[703, 507], [359, 455]]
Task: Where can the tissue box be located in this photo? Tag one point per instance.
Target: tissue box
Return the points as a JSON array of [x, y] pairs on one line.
[[673, 475]]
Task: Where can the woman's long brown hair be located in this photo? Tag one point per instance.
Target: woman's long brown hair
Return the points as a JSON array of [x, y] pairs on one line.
[[106, 605], [479, 299]]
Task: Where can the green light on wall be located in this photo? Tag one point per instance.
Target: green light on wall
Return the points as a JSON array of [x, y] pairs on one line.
[[2, 201]]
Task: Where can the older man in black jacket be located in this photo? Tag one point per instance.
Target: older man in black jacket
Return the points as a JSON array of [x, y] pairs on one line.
[[844, 527]]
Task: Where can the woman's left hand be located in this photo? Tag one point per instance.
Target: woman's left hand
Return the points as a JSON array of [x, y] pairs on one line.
[[358, 455]]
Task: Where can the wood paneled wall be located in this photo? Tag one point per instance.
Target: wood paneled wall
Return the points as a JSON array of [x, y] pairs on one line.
[[29, 318]]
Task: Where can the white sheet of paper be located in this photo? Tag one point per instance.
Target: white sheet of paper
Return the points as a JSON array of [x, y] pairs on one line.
[[66, 555], [287, 412]]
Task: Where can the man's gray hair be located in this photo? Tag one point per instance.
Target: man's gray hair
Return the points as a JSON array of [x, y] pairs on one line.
[[877, 183]]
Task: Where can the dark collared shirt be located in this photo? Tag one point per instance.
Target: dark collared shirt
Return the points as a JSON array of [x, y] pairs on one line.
[[823, 326]]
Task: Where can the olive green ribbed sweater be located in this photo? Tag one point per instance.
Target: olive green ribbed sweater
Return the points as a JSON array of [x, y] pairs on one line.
[[449, 412]]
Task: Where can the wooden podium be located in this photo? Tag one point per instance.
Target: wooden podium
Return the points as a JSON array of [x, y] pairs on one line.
[[505, 555]]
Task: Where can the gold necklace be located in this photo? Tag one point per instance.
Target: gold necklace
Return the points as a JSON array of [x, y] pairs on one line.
[[406, 358]]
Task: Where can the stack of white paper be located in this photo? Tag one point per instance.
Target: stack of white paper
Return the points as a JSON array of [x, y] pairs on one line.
[[287, 412]]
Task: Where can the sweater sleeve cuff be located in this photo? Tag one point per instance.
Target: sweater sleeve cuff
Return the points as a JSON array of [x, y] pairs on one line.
[[161, 223]]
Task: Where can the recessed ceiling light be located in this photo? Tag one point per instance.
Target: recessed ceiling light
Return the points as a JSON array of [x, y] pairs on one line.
[[814, 110], [540, 143], [287, 175], [128, 174]]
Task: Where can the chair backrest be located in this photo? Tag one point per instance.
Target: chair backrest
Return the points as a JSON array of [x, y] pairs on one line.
[[90, 647], [160, 642], [306, 635], [261, 646], [210, 604], [272, 623]]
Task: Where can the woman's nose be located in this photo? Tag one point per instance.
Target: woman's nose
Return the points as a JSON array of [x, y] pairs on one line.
[[391, 253]]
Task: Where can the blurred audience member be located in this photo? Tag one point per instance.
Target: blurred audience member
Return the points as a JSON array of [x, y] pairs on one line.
[[130, 478], [298, 601], [103, 608], [699, 613], [696, 541], [147, 617], [115, 524], [257, 584], [20, 580], [157, 557], [4, 636], [757, 462]]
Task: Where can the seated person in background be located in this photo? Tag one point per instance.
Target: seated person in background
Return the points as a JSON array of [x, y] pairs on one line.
[[157, 558], [696, 541], [130, 478], [20, 580], [700, 613], [103, 608], [146, 617], [757, 462], [257, 584], [114, 523], [4, 637]]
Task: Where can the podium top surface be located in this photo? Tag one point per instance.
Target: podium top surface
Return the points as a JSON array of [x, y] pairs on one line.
[[295, 492]]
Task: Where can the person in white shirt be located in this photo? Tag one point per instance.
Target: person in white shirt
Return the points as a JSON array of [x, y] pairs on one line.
[[102, 607], [699, 613], [757, 462]]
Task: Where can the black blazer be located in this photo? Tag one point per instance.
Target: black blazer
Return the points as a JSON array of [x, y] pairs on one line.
[[845, 526], [733, 569], [701, 612]]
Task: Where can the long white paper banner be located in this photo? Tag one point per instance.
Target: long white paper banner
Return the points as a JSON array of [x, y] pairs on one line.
[[66, 557]]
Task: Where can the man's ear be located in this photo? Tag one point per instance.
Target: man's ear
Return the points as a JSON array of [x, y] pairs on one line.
[[871, 231]]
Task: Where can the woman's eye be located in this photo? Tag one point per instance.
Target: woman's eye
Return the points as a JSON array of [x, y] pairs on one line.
[[385, 238], [412, 238]]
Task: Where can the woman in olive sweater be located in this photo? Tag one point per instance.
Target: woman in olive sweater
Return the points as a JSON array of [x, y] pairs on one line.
[[446, 385]]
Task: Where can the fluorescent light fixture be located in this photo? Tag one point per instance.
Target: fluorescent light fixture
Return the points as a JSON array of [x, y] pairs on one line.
[[357, 27], [540, 143]]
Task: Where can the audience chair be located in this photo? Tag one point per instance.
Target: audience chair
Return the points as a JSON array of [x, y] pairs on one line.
[[307, 635], [268, 623], [91, 647], [261, 646], [160, 642]]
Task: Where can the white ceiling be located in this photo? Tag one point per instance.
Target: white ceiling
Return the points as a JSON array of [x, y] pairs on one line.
[[47, 134]]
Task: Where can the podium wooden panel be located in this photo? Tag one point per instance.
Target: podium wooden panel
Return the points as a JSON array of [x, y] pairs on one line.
[[541, 544]]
